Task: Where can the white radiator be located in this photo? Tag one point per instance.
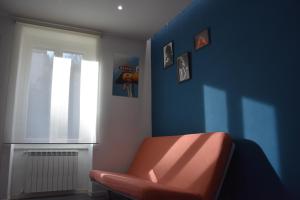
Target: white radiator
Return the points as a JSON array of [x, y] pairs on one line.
[[50, 171]]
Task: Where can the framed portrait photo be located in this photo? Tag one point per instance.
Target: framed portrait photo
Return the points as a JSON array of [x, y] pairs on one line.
[[202, 39], [183, 67], [168, 54]]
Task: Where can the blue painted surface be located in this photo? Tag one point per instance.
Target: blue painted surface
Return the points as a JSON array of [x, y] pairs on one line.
[[259, 121], [253, 65], [215, 109]]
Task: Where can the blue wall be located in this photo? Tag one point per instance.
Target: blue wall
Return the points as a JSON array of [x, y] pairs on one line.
[[245, 82]]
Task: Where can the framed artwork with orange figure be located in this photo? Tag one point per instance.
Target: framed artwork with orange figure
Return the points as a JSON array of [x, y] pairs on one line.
[[202, 39], [126, 76]]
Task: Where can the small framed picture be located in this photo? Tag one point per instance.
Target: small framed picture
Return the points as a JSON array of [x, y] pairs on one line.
[[202, 39], [168, 55], [183, 67]]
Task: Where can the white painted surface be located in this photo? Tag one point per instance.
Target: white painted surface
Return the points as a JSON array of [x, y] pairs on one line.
[[18, 180], [6, 37], [6, 32], [138, 19], [124, 122]]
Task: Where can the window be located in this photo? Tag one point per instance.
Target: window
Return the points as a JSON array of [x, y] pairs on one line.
[[56, 86]]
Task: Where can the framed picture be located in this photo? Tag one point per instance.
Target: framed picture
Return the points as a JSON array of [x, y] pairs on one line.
[[126, 76], [202, 39], [183, 67], [168, 54]]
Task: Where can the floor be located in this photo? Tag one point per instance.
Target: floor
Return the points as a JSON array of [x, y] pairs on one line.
[[65, 197], [78, 197]]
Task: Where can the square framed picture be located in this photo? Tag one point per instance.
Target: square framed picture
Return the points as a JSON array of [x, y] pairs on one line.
[[168, 55], [202, 39], [183, 67]]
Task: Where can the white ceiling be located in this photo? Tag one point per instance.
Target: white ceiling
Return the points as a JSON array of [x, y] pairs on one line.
[[139, 19]]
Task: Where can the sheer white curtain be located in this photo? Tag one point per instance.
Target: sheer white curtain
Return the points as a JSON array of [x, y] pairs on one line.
[[54, 86]]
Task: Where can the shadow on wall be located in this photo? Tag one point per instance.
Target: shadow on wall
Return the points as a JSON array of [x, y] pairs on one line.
[[255, 168], [253, 175]]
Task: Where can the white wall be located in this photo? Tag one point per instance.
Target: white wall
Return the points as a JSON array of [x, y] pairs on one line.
[[6, 37], [6, 43], [124, 122]]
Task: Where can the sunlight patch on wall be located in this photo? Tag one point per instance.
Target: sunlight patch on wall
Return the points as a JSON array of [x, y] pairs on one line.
[[260, 126], [215, 109]]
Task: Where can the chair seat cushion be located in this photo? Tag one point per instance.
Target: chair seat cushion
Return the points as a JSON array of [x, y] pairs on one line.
[[139, 188]]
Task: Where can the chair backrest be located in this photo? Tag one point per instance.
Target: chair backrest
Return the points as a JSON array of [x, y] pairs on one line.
[[194, 163]]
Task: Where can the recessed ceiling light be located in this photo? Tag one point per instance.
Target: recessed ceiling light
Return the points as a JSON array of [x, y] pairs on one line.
[[120, 7]]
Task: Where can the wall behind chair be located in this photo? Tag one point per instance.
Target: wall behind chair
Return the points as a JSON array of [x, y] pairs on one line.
[[6, 43], [124, 122], [245, 82]]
